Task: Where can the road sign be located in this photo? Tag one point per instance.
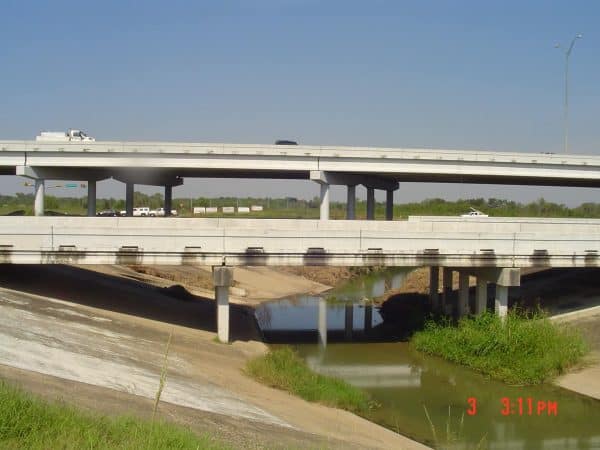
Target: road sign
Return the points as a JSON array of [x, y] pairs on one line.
[[71, 185]]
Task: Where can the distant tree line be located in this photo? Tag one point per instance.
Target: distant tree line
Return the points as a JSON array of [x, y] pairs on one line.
[[435, 206]]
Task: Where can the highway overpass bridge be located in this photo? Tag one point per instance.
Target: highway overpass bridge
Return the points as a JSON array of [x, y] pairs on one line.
[[491, 249], [167, 164]]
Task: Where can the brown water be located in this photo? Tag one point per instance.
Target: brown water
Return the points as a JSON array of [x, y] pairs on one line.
[[409, 386]]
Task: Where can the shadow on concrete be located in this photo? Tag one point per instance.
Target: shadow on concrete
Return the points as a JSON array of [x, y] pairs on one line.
[[174, 305]]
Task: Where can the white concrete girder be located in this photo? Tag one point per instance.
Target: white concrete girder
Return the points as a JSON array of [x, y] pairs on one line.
[[352, 179]]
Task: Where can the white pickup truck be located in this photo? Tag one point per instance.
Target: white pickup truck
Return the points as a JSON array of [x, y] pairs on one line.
[[160, 212], [61, 136], [474, 213]]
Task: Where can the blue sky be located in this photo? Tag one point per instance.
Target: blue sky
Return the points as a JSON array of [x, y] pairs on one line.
[[460, 74]]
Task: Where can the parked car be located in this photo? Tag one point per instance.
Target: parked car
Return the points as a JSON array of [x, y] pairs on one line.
[[474, 213], [107, 213], [160, 212], [141, 211]]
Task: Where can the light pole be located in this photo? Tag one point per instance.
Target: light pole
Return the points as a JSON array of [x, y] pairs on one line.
[[567, 56]]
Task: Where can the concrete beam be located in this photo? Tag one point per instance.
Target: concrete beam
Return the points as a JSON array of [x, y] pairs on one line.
[[504, 276], [370, 203], [58, 173], [352, 179], [222, 280], [351, 203]]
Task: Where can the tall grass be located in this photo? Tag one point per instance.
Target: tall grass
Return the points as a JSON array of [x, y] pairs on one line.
[[29, 422], [284, 369], [522, 349]]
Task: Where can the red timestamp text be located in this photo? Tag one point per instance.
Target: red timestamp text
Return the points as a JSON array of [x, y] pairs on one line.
[[520, 406]]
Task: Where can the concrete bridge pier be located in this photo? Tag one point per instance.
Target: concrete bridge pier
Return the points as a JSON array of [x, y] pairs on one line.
[[370, 203], [129, 186], [322, 323], [168, 200], [501, 300], [446, 290], [368, 317], [389, 204], [434, 282], [349, 322], [481, 296], [91, 198], [222, 279], [38, 204], [351, 203], [324, 209], [463, 293]]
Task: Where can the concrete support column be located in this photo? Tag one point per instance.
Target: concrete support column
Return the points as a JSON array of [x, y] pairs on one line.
[[322, 323], [370, 203], [38, 204], [349, 322], [222, 279], [463, 293], [91, 198], [168, 200], [324, 213], [501, 301], [351, 203], [481, 296], [129, 199], [389, 205], [447, 289], [434, 281], [368, 317]]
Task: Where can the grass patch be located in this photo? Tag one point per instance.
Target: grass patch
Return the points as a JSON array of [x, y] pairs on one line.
[[284, 369], [29, 422], [525, 349]]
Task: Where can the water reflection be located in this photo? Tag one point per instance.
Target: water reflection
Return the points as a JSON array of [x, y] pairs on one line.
[[405, 383]]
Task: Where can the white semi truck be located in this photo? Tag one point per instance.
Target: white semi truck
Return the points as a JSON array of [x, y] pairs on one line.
[[61, 136]]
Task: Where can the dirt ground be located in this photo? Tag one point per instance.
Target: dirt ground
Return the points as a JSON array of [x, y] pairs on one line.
[[96, 339]]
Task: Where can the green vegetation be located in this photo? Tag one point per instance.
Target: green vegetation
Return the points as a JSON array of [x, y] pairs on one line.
[[294, 208], [29, 422], [284, 369], [521, 350]]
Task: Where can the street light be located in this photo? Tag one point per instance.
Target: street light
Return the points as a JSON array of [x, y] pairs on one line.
[[567, 55]]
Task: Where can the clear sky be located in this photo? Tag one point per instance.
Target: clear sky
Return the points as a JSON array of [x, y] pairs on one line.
[[445, 74]]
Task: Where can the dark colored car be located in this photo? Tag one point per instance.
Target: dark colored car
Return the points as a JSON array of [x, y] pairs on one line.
[[107, 213], [285, 142]]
